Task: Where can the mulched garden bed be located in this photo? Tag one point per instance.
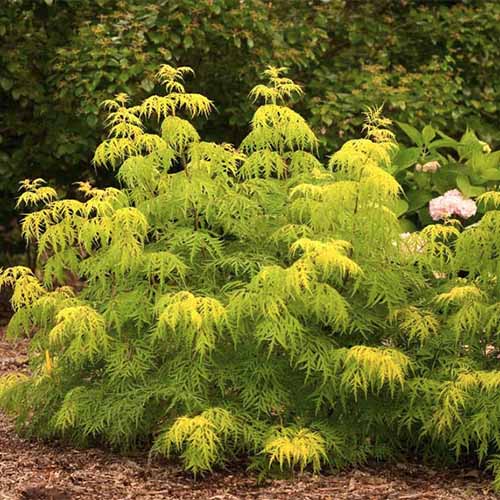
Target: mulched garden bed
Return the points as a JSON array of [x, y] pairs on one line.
[[35, 470]]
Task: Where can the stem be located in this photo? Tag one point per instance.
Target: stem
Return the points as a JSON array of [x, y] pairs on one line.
[[196, 219]]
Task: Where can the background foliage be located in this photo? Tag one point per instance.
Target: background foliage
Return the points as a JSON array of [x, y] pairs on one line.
[[429, 62]]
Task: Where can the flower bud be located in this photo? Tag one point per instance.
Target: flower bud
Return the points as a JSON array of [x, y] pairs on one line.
[[431, 166]]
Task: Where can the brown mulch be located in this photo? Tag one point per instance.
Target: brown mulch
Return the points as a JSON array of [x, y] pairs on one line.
[[35, 470]]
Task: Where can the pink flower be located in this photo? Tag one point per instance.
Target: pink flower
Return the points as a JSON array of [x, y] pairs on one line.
[[452, 203], [467, 209]]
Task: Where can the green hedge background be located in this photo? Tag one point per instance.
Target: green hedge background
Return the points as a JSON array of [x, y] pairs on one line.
[[429, 62]]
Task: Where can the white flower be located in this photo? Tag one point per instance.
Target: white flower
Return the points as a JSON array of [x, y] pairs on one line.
[[431, 166]]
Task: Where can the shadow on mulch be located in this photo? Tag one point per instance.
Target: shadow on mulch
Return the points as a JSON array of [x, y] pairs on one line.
[[35, 470]]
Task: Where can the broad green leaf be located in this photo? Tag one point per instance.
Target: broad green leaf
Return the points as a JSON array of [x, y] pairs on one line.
[[417, 199], [412, 133], [407, 226], [491, 174], [446, 177], [447, 137], [428, 133], [467, 188], [400, 207], [405, 157], [443, 143], [425, 216]]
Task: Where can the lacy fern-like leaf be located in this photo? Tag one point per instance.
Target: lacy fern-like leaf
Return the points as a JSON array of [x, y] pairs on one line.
[[293, 447]]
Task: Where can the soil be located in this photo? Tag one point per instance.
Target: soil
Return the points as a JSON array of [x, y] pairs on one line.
[[41, 471]]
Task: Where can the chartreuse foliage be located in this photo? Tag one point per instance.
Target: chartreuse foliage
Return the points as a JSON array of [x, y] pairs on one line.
[[253, 301]]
